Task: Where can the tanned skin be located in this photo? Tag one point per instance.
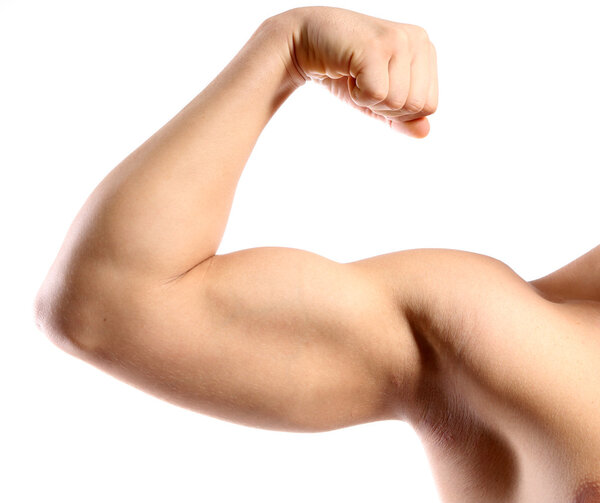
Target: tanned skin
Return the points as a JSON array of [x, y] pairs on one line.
[[499, 376]]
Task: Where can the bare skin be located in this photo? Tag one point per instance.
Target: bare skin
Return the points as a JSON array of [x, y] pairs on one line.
[[498, 376]]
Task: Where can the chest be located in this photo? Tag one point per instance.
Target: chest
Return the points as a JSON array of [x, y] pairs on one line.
[[473, 462], [487, 446]]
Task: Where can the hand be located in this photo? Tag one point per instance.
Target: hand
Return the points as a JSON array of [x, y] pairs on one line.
[[385, 69]]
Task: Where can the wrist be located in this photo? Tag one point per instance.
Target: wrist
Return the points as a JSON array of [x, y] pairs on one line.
[[284, 32]]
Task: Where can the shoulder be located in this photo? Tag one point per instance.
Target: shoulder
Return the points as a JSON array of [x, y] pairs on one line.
[[472, 315], [455, 292]]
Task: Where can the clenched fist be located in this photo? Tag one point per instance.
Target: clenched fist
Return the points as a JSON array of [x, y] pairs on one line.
[[387, 70]]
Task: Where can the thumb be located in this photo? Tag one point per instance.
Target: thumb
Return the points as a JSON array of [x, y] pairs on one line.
[[417, 128]]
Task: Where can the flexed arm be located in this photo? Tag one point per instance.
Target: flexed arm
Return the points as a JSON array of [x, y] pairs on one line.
[[163, 210], [272, 337]]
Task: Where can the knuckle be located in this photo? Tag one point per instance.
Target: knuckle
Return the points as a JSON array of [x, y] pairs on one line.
[[420, 34], [396, 102], [423, 35], [379, 38], [399, 36], [377, 93], [429, 108], [414, 105], [416, 34]]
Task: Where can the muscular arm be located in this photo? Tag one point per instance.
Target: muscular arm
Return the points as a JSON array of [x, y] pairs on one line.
[[277, 338]]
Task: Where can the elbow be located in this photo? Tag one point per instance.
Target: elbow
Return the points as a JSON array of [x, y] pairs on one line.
[[49, 320], [63, 317]]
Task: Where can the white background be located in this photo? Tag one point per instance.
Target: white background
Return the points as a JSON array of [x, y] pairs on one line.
[[509, 170]]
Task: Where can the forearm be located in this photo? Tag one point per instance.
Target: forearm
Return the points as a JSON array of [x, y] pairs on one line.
[[164, 208]]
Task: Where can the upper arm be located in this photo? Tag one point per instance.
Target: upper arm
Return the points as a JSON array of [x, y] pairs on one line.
[[273, 337], [283, 338]]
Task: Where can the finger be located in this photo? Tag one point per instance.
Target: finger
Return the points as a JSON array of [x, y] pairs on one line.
[[417, 128], [371, 83], [420, 80], [408, 123], [399, 84], [432, 98]]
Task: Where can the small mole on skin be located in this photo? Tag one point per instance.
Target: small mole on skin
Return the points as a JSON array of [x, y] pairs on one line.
[[588, 492]]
